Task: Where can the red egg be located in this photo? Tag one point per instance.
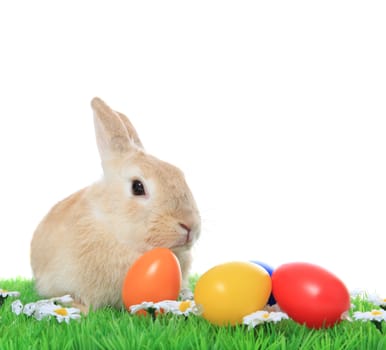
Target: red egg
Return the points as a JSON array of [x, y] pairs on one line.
[[154, 276], [310, 294]]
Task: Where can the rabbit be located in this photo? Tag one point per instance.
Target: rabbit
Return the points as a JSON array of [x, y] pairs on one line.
[[87, 242]]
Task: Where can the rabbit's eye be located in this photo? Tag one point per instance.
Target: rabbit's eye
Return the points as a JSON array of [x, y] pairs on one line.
[[137, 188]]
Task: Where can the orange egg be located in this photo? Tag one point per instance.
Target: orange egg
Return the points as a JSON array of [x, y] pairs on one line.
[[155, 276]]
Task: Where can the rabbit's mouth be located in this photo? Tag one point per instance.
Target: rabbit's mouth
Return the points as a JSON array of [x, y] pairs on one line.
[[186, 236], [184, 242]]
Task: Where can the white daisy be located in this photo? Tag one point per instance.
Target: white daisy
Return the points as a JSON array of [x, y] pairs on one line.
[[66, 314], [185, 307], [29, 309], [6, 293], [278, 316], [168, 306], [373, 315], [260, 317], [65, 300], [46, 308], [61, 313], [40, 309], [17, 307], [376, 300], [146, 306]]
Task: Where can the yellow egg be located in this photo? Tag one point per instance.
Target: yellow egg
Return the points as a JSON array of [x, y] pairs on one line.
[[230, 291]]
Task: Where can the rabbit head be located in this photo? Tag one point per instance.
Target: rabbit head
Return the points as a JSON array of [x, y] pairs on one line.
[[149, 199]]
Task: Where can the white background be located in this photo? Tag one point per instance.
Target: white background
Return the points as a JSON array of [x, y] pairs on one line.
[[274, 110]]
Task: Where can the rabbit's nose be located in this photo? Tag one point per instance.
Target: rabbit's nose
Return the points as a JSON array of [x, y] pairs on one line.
[[185, 227], [188, 230]]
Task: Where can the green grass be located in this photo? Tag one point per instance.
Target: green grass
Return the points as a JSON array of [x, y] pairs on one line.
[[114, 329]]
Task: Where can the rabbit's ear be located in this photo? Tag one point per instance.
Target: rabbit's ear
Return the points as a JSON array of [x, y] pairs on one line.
[[130, 129], [115, 134]]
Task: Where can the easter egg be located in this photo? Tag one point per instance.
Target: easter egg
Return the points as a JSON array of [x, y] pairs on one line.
[[310, 294], [269, 269], [228, 292], [154, 276]]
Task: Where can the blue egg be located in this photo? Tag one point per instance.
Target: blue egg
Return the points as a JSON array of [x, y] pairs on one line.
[[269, 269]]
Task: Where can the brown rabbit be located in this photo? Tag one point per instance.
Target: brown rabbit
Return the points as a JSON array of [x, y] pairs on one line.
[[85, 245]]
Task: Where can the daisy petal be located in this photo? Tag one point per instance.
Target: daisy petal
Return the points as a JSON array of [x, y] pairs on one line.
[[6, 293], [65, 300], [263, 316], [29, 309], [373, 315], [17, 307], [143, 306]]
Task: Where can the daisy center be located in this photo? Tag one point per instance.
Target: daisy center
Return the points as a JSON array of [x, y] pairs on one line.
[[184, 305], [376, 313], [265, 315], [61, 311]]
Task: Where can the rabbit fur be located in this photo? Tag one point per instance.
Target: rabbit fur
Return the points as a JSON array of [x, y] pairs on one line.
[[87, 242]]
